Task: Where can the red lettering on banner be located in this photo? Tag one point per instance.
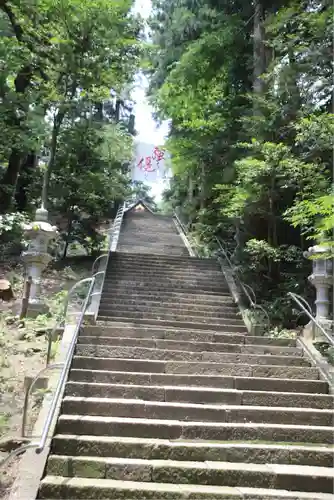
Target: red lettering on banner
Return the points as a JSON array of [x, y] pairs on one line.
[[158, 155], [146, 166]]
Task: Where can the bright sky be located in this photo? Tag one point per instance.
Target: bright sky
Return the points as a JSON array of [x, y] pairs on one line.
[[145, 125]]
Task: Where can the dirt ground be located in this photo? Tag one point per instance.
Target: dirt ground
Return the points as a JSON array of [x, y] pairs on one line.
[[23, 347]]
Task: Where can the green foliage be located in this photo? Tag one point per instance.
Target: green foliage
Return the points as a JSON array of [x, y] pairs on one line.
[[252, 164], [282, 333], [326, 350], [87, 177], [141, 191], [11, 234], [59, 62]]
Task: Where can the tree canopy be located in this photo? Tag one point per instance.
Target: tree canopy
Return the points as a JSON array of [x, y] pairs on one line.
[[65, 115], [248, 89], [60, 61]]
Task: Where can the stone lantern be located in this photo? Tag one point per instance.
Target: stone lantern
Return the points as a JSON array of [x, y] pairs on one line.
[[321, 278], [36, 258]]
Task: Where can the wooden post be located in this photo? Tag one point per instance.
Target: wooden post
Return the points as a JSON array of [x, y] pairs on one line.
[[26, 295]]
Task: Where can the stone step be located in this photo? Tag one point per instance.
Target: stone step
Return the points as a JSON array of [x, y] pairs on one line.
[[199, 395], [165, 270], [130, 330], [175, 250], [150, 228], [177, 298], [118, 292], [138, 301], [114, 329], [188, 279], [176, 429], [191, 345], [164, 259], [116, 269], [162, 238], [108, 307], [160, 449], [203, 322], [108, 351], [315, 388], [166, 284], [117, 288], [140, 266], [54, 487], [128, 408], [173, 267], [142, 229], [144, 235], [290, 477], [140, 238], [192, 368], [224, 325]]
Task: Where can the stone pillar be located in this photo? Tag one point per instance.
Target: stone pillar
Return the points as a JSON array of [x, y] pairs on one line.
[[321, 278], [36, 258]]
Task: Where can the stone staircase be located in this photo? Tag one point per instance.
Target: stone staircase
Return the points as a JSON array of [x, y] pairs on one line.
[[169, 397], [144, 232]]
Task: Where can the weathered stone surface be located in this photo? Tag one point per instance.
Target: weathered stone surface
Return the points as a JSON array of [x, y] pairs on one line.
[[293, 385], [76, 467], [128, 471], [159, 449], [115, 341], [294, 372], [203, 473], [270, 349], [282, 399], [193, 380], [118, 364]]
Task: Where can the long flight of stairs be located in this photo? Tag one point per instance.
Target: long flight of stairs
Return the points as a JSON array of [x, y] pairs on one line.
[[169, 397]]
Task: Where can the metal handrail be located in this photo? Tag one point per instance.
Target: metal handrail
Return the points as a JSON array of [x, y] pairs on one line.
[[112, 244], [29, 390], [61, 322], [297, 298], [247, 289], [304, 301], [192, 251], [102, 256], [40, 445], [115, 231], [48, 366], [243, 286]]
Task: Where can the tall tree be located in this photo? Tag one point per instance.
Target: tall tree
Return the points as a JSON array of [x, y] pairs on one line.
[[245, 92], [55, 55]]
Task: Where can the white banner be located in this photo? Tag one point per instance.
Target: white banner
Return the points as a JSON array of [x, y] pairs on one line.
[[151, 164]]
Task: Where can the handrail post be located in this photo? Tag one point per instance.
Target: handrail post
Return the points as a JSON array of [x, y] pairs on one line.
[[314, 320], [29, 390]]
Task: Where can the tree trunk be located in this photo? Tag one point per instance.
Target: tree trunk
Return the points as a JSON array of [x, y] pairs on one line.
[[24, 181], [58, 119], [259, 52], [118, 110], [9, 181], [202, 187], [68, 235]]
